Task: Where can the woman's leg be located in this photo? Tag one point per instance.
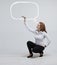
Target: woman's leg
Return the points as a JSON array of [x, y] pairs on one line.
[[38, 49], [30, 46]]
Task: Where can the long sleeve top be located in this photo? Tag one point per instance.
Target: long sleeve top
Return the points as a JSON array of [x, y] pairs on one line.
[[41, 38]]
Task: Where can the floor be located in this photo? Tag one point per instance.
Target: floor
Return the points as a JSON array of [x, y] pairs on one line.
[[47, 59]]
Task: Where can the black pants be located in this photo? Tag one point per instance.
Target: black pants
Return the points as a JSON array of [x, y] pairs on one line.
[[32, 47]]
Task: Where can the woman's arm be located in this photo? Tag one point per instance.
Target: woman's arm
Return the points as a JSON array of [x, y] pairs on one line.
[[31, 30], [47, 39]]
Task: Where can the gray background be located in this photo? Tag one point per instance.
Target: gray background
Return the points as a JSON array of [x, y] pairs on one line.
[[14, 35]]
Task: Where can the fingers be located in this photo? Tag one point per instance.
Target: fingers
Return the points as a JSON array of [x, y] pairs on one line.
[[23, 17]]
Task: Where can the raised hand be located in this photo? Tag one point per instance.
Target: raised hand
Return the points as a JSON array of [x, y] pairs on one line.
[[24, 18]]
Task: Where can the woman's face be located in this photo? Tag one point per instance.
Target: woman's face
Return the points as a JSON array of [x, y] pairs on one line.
[[38, 26]]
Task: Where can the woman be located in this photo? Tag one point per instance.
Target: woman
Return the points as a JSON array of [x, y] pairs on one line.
[[40, 34]]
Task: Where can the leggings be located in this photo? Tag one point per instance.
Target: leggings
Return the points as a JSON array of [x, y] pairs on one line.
[[32, 47]]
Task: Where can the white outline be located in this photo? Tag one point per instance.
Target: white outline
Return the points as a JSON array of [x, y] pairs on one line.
[[24, 2]]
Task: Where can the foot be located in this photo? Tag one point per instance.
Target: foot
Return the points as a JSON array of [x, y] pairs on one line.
[[31, 55], [41, 54]]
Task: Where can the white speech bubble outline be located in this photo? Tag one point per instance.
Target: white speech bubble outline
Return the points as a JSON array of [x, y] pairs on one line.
[[18, 18]]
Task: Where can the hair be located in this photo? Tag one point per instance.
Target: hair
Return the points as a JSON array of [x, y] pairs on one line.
[[42, 27]]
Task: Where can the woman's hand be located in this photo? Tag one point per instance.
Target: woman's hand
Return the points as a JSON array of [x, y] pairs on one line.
[[24, 18]]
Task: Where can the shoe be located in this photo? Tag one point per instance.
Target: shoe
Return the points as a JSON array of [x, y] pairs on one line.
[[31, 55], [41, 54]]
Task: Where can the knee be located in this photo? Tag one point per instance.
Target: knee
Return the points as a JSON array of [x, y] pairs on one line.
[[28, 42]]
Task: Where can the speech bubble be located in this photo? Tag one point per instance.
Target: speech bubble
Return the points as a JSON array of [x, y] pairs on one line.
[[23, 8]]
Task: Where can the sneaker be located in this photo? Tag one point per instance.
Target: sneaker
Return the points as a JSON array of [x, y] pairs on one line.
[[41, 54], [31, 55]]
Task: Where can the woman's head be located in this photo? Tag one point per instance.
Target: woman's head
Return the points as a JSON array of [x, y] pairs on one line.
[[41, 27]]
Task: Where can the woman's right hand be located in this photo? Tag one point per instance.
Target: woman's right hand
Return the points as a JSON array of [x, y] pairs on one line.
[[23, 17]]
